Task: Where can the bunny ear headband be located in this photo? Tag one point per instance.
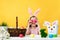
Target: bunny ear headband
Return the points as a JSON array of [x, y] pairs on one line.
[[35, 13]]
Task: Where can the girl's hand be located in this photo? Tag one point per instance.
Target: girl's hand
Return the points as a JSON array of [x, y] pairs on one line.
[[28, 32]]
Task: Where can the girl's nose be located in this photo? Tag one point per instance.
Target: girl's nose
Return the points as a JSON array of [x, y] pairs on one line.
[[51, 28]]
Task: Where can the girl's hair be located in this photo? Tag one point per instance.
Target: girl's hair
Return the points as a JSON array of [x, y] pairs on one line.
[[33, 17]]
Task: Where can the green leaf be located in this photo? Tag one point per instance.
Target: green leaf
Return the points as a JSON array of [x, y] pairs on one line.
[[4, 24]]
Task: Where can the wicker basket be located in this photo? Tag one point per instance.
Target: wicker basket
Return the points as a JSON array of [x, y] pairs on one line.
[[15, 32]]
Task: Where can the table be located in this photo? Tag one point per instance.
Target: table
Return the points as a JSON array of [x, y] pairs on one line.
[[37, 37]]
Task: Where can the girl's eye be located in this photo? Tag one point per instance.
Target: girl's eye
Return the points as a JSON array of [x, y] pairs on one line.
[[48, 27], [53, 26]]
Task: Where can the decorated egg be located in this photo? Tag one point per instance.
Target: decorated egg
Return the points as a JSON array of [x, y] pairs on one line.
[[32, 35], [21, 35]]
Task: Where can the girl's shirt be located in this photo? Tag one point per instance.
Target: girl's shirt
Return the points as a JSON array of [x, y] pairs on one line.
[[34, 31]]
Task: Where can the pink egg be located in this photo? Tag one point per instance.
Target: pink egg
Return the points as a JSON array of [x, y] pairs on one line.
[[20, 35], [34, 21]]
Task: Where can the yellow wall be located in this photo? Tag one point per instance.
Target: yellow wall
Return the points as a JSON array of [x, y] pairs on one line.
[[9, 9]]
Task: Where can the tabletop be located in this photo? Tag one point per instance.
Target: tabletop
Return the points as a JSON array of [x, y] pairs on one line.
[[27, 37]]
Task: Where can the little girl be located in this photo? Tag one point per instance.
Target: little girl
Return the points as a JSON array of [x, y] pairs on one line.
[[33, 27]]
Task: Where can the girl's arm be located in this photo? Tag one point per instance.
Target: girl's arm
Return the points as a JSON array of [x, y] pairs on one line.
[[28, 32]]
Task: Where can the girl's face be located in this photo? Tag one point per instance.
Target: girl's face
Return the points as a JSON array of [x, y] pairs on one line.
[[33, 19], [33, 25]]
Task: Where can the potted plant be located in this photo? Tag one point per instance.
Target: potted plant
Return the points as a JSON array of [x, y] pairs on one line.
[[3, 31], [4, 24]]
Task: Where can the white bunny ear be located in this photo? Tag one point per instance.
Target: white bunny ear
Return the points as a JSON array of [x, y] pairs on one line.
[[46, 23], [30, 11], [36, 12], [55, 22]]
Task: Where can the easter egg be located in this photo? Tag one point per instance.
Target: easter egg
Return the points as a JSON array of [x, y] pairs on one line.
[[50, 36], [55, 35], [20, 35], [32, 35], [34, 21]]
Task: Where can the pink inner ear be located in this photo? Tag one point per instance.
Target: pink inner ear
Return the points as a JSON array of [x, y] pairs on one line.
[[54, 23], [47, 23], [30, 11]]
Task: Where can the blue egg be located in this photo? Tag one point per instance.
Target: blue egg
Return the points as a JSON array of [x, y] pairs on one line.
[[50, 36]]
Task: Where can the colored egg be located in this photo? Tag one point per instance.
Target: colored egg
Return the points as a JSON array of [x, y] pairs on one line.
[[32, 35], [20, 35], [50, 36]]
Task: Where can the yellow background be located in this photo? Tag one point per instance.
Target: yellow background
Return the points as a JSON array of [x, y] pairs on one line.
[[9, 9]]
